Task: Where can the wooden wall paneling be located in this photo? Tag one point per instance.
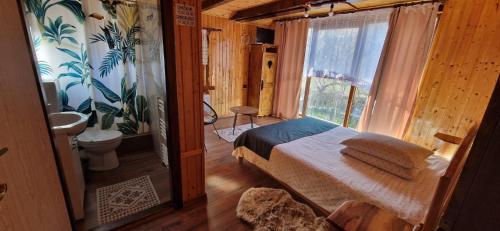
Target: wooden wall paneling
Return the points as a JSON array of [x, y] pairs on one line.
[[251, 37], [460, 73], [239, 59], [231, 61], [235, 87], [226, 45], [228, 62], [227, 74], [488, 61], [185, 80]]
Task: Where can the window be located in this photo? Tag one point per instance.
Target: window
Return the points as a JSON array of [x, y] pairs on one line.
[[342, 56]]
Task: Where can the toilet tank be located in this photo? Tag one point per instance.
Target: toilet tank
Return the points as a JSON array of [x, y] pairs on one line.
[[50, 96]]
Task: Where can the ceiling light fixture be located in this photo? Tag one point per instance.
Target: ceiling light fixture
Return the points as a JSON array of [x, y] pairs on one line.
[[306, 10], [330, 14]]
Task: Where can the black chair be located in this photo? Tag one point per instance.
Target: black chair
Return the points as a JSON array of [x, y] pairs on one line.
[[210, 116]]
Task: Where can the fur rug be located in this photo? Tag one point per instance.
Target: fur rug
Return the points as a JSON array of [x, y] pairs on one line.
[[269, 209]]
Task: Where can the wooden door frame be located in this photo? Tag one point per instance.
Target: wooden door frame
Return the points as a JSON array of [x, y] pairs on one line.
[[173, 142], [182, 34]]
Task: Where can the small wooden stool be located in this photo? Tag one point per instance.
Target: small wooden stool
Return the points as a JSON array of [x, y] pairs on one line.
[[244, 110]]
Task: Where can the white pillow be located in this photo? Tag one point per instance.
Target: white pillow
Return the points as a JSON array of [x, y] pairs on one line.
[[406, 173], [388, 148]]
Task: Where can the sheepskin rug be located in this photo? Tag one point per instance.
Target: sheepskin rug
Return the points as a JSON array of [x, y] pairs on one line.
[[269, 209]]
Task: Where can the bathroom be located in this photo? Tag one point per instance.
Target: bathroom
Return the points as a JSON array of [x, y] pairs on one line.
[[101, 65]]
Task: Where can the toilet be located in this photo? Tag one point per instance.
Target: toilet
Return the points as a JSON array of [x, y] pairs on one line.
[[99, 146]]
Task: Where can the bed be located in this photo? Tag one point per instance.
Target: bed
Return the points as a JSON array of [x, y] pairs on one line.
[[304, 154]]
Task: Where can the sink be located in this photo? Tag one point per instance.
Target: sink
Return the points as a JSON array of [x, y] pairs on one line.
[[69, 123], [66, 125]]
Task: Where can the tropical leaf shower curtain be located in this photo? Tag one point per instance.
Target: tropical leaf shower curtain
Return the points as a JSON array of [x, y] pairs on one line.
[[90, 51]]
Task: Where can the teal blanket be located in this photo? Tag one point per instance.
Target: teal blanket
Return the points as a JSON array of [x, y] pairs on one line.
[[261, 140]]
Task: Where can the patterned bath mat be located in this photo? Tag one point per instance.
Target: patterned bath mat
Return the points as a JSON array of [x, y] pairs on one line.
[[227, 133], [125, 198]]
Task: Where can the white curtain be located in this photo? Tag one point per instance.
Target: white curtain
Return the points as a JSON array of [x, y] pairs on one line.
[[150, 64], [342, 50], [346, 46], [291, 37], [392, 98]]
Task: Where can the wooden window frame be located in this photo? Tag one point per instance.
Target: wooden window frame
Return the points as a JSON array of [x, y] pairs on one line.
[[348, 109]]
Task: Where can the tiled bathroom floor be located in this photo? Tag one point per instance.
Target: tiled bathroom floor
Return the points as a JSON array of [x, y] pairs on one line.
[[132, 165]]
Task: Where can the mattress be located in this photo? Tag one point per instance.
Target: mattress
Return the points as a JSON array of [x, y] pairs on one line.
[[314, 167]]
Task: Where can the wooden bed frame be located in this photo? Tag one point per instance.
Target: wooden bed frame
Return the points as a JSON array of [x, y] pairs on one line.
[[353, 215], [448, 181]]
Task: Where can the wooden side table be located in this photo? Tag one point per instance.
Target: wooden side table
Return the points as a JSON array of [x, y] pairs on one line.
[[244, 110]]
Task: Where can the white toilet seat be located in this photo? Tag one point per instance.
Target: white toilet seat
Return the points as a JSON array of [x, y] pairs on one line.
[[99, 136]]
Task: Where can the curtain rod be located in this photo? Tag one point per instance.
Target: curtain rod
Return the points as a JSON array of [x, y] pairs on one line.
[[393, 5]]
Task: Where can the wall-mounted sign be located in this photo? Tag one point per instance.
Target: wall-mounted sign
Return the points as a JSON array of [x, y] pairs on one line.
[[185, 15]]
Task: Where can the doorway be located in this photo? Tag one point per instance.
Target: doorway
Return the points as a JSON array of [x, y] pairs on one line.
[[102, 72]]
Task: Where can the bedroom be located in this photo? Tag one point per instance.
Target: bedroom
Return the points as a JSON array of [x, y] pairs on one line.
[[352, 67], [275, 114]]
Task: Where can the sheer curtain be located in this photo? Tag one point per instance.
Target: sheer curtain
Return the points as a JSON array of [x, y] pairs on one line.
[[150, 64], [291, 37], [347, 46], [342, 51], [391, 103]]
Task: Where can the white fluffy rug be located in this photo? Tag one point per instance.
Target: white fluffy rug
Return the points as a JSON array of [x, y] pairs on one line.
[[227, 133], [269, 209]]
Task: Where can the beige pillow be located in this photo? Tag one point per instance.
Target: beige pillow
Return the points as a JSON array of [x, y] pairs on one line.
[[388, 148], [406, 173]]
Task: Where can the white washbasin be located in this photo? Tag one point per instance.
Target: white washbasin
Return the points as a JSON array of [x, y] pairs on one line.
[[70, 123]]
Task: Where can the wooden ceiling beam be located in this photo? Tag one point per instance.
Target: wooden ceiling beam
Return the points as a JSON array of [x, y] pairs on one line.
[[210, 4], [356, 8], [278, 8]]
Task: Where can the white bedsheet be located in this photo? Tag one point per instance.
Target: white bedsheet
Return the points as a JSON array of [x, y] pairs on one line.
[[315, 168]]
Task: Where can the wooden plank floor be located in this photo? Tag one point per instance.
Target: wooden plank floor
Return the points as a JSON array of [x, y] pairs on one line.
[[226, 180], [132, 165]]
